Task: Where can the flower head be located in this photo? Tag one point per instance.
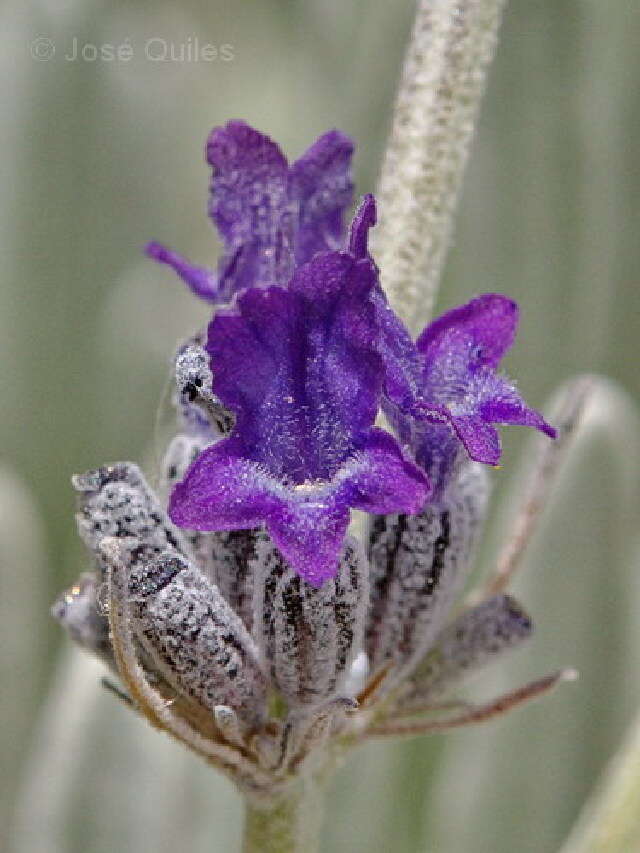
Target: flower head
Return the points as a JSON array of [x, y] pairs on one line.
[[310, 349], [271, 216]]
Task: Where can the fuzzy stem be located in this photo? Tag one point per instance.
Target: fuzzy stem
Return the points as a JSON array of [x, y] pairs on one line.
[[442, 83], [288, 822]]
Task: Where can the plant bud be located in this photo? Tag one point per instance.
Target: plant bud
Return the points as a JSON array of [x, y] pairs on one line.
[[418, 565], [309, 635], [477, 638], [194, 638]]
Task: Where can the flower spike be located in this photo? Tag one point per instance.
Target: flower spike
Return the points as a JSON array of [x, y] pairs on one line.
[[244, 619]]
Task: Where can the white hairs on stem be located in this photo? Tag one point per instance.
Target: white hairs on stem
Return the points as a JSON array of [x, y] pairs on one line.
[[442, 83]]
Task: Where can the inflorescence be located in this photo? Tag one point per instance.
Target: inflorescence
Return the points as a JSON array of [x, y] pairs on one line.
[[240, 594]]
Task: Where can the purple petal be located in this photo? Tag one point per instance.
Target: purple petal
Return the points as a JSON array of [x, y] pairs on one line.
[[200, 280], [480, 439], [403, 364], [298, 367], [364, 219], [471, 336], [321, 182], [222, 491], [401, 360], [488, 399], [514, 411], [381, 480], [497, 401], [249, 183], [309, 534], [248, 204]]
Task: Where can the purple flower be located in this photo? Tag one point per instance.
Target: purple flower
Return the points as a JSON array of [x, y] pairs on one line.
[[299, 368], [461, 396], [443, 392], [460, 354], [272, 217], [400, 357]]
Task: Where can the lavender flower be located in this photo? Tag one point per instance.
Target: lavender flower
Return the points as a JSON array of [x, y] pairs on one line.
[[299, 369], [271, 216], [442, 394], [245, 603], [242, 619], [459, 354]]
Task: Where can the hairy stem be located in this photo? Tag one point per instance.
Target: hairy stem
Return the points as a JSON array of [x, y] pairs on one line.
[[442, 83], [288, 822]]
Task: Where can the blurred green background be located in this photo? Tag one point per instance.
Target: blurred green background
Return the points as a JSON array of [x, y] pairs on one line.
[[101, 156]]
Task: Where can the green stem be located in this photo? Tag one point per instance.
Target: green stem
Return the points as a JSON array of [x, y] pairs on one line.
[[451, 47], [288, 822]]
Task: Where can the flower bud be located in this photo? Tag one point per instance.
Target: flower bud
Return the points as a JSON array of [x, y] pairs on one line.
[[309, 635], [477, 638], [194, 638], [201, 410], [78, 610], [116, 501], [418, 565]]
